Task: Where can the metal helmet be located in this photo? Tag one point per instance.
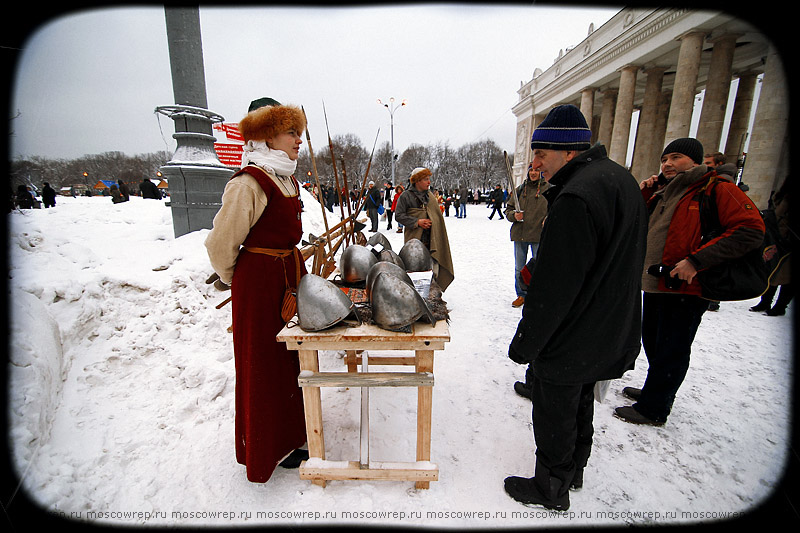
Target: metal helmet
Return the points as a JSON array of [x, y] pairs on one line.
[[391, 257], [380, 238], [321, 304], [396, 304], [416, 257], [389, 268], [355, 263]]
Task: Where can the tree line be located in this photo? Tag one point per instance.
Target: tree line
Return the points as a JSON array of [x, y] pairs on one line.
[[87, 170], [478, 165]]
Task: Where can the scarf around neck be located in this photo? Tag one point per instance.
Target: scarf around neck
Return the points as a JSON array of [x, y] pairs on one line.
[[274, 161]]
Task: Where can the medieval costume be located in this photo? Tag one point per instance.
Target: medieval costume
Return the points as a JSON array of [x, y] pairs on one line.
[[419, 203], [252, 247]]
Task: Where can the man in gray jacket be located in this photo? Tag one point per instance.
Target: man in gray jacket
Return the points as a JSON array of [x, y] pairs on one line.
[[526, 225]]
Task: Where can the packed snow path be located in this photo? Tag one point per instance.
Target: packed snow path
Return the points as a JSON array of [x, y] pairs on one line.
[[122, 384]]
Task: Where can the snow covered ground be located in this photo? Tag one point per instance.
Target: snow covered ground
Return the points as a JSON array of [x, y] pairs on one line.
[[122, 383]]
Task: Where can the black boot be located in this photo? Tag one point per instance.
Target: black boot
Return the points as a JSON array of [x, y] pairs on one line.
[[542, 489], [294, 459], [766, 300]]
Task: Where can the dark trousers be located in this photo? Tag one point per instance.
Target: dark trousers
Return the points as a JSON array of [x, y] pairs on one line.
[[669, 325], [562, 427], [373, 217]]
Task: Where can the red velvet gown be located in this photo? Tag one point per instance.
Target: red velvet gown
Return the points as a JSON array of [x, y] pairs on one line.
[[270, 421]]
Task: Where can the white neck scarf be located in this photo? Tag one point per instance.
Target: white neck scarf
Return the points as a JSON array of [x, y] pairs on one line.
[[275, 161]]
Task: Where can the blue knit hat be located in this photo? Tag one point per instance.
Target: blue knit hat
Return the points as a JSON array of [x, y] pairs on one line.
[[564, 128]]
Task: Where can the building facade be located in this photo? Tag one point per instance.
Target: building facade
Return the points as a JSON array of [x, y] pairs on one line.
[[638, 80]]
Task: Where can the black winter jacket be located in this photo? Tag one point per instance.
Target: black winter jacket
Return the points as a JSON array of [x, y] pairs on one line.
[[581, 321]]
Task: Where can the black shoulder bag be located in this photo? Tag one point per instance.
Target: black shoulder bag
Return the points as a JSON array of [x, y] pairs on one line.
[[745, 277]]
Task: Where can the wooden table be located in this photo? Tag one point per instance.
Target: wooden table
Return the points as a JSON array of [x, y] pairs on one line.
[[423, 339]]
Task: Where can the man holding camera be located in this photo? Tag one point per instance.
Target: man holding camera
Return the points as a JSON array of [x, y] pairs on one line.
[[672, 307]]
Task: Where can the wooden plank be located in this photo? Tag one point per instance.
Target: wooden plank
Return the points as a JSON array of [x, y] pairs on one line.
[[384, 360], [312, 402], [351, 470], [362, 379], [424, 407], [423, 336]]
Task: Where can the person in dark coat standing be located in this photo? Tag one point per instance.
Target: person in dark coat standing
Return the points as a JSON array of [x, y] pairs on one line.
[[149, 190], [496, 199], [371, 203], [581, 321], [124, 191], [48, 196]]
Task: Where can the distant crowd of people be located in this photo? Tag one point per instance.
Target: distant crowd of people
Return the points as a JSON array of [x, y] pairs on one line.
[[25, 197]]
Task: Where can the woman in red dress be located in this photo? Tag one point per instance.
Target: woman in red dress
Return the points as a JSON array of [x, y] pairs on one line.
[[253, 248]]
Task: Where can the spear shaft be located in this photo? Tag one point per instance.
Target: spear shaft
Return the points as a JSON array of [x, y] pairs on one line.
[[366, 174], [349, 210], [513, 185], [333, 162], [316, 178]]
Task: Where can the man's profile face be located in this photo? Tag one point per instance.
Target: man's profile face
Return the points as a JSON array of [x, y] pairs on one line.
[[674, 163]]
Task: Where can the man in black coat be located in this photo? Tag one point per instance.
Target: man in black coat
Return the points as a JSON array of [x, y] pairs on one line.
[[581, 321], [149, 189], [48, 196]]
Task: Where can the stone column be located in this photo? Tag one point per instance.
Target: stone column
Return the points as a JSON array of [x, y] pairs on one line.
[[646, 151], [740, 119], [622, 116], [607, 116], [587, 104], [718, 85], [680, 111], [768, 149]]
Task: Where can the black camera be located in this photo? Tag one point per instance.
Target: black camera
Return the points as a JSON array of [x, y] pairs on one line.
[[662, 271]]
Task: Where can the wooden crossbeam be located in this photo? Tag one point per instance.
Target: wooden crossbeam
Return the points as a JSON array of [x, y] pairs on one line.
[[351, 470], [370, 379]]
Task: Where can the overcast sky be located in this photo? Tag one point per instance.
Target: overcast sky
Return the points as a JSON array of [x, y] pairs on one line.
[[89, 82]]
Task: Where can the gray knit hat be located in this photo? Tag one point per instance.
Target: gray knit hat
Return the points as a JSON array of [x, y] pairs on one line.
[[564, 128]]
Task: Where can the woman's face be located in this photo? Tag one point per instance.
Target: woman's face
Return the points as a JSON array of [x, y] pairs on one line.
[[288, 141]]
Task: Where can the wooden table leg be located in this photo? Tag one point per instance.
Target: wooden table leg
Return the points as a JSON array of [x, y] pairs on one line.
[[312, 402], [424, 363]]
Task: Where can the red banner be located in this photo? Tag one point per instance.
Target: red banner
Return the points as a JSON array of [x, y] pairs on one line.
[[229, 154], [230, 129]]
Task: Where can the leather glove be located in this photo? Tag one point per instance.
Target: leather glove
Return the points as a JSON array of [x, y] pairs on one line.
[[515, 356]]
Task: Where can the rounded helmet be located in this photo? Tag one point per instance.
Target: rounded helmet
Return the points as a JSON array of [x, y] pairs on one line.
[[380, 238], [391, 257], [355, 263], [416, 257], [389, 268], [396, 304], [321, 304]]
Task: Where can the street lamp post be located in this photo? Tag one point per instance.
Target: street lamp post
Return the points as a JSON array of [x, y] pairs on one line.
[[391, 107]]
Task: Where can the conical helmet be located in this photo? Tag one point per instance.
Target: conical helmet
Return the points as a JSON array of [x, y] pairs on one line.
[[389, 268], [355, 263], [396, 304], [321, 304], [391, 257], [380, 238], [415, 256]]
